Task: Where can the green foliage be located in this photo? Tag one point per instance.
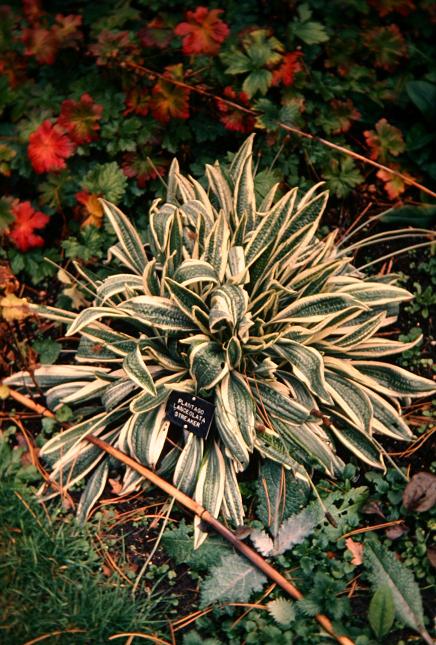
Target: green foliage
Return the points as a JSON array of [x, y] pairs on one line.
[[106, 180], [309, 31], [234, 580], [47, 349], [249, 309], [48, 561], [381, 611], [386, 570]]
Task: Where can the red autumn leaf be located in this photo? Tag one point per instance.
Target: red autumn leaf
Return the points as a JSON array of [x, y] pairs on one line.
[[156, 34], [113, 46], [26, 220], [203, 32], [81, 118], [41, 43], [32, 10], [344, 112], [137, 100], [289, 67], [384, 141], [169, 100], [48, 147], [231, 117], [384, 7], [142, 167], [393, 185], [387, 44], [67, 30]]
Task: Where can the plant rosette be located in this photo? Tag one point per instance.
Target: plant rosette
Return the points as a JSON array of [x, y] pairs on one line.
[[242, 304]]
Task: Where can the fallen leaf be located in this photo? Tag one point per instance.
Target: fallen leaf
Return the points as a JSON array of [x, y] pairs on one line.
[[431, 555], [373, 507], [356, 549], [420, 493], [13, 308], [4, 392], [116, 486], [396, 531]]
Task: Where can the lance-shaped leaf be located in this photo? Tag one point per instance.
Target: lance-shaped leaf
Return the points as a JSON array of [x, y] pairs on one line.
[[127, 236], [188, 464], [123, 282], [194, 271], [145, 401], [376, 293], [227, 421], [184, 298], [358, 442], [207, 363], [232, 507], [88, 316], [280, 495], [386, 569], [352, 399], [216, 246], [220, 187], [147, 435], [276, 401], [77, 463], [312, 442], [361, 332], [315, 308], [228, 306], [136, 369], [93, 490], [263, 236], [244, 199], [158, 312], [386, 419], [209, 490], [393, 380], [307, 365]]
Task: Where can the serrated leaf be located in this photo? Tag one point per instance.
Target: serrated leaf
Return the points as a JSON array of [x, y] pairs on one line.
[[282, 610], [385, 569], [234, 580], [295, 529]]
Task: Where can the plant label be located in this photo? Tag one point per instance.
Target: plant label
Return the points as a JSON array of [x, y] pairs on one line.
[[190, 413]]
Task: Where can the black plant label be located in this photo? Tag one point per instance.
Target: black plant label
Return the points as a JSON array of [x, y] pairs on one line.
[[190, 412]]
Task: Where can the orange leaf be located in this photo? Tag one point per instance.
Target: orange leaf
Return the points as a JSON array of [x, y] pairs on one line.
[[356, 548], [169, 100]]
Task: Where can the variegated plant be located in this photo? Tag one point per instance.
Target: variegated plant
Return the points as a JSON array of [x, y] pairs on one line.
[[244, 305]]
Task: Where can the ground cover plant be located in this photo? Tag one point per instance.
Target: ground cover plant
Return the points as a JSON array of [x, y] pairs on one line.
[[95, 103], [148, 80]]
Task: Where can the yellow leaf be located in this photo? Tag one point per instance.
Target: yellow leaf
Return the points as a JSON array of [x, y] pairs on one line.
[[4, 392], [13, 308]]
